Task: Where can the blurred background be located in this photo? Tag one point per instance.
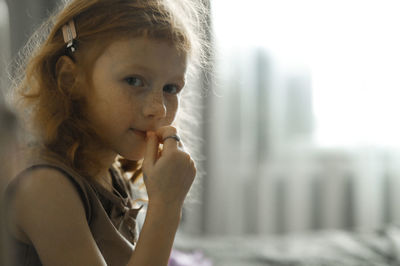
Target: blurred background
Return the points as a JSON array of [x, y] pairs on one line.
[[300, 122], [302, 129]]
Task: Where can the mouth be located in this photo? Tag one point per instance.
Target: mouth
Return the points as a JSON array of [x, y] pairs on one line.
[[138, 132]]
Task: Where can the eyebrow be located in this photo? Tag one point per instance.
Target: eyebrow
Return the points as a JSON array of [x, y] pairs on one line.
[[135, 66]]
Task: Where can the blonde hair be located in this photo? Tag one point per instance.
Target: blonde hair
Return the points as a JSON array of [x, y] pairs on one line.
[[53, 110]]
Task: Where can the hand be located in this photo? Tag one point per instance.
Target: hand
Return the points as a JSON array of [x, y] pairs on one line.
[[168, 176]]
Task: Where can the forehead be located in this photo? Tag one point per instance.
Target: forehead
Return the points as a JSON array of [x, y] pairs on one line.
[[147, 53]]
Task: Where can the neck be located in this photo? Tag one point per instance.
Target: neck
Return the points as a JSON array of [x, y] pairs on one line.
[[101, 162]]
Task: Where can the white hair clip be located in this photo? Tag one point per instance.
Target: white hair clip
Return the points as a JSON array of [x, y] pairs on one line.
[[69, 34]]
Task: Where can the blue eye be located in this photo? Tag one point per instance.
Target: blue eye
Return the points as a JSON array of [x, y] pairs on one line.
[[171, 88], [134, 81]]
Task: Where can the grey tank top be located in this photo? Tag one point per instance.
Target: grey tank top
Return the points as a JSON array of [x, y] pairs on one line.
[[111, 217]]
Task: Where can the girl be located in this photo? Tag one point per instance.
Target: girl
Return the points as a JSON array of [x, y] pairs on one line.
[[101, 93]]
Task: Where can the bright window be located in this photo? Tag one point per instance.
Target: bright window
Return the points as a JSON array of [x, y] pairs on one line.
[[351, 49]]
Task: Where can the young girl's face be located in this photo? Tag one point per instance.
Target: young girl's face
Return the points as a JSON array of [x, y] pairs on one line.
[[136, 84]]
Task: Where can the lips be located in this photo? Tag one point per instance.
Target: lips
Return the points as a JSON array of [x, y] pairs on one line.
[[138, 132]]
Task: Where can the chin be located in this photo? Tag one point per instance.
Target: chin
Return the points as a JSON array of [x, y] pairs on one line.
[[133, 156]]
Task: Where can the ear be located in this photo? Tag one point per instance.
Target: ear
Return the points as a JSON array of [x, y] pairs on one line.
[[66, 73]]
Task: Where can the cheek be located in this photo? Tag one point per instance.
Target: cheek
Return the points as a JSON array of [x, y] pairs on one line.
[[172, 108]]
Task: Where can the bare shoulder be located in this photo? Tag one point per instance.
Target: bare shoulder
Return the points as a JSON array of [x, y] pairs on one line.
[[48, 211], [45, 192], [41, 182]]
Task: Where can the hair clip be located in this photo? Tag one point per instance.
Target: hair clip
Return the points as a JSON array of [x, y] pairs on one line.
[[69, 34]]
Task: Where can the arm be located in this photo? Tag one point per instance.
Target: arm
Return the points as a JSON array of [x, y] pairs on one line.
[[157, 236], [168, 178]]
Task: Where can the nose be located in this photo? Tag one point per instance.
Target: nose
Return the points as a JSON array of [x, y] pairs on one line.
[[154, 106]]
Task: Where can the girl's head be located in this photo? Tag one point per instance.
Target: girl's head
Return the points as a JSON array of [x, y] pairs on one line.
[[61, 89]]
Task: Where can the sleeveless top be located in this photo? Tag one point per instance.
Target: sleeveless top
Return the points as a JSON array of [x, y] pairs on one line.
[[110, 216]]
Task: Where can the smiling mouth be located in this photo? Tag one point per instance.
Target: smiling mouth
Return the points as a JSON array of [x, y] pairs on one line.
[[138, 132]]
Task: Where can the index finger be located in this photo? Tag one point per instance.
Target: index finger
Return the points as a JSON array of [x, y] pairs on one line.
[[150, 155], [166, 135]]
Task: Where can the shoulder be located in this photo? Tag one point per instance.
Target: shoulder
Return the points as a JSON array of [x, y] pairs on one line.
[[43, 184], [47, 210], [42, 194], [49, 183], [41, 180]]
